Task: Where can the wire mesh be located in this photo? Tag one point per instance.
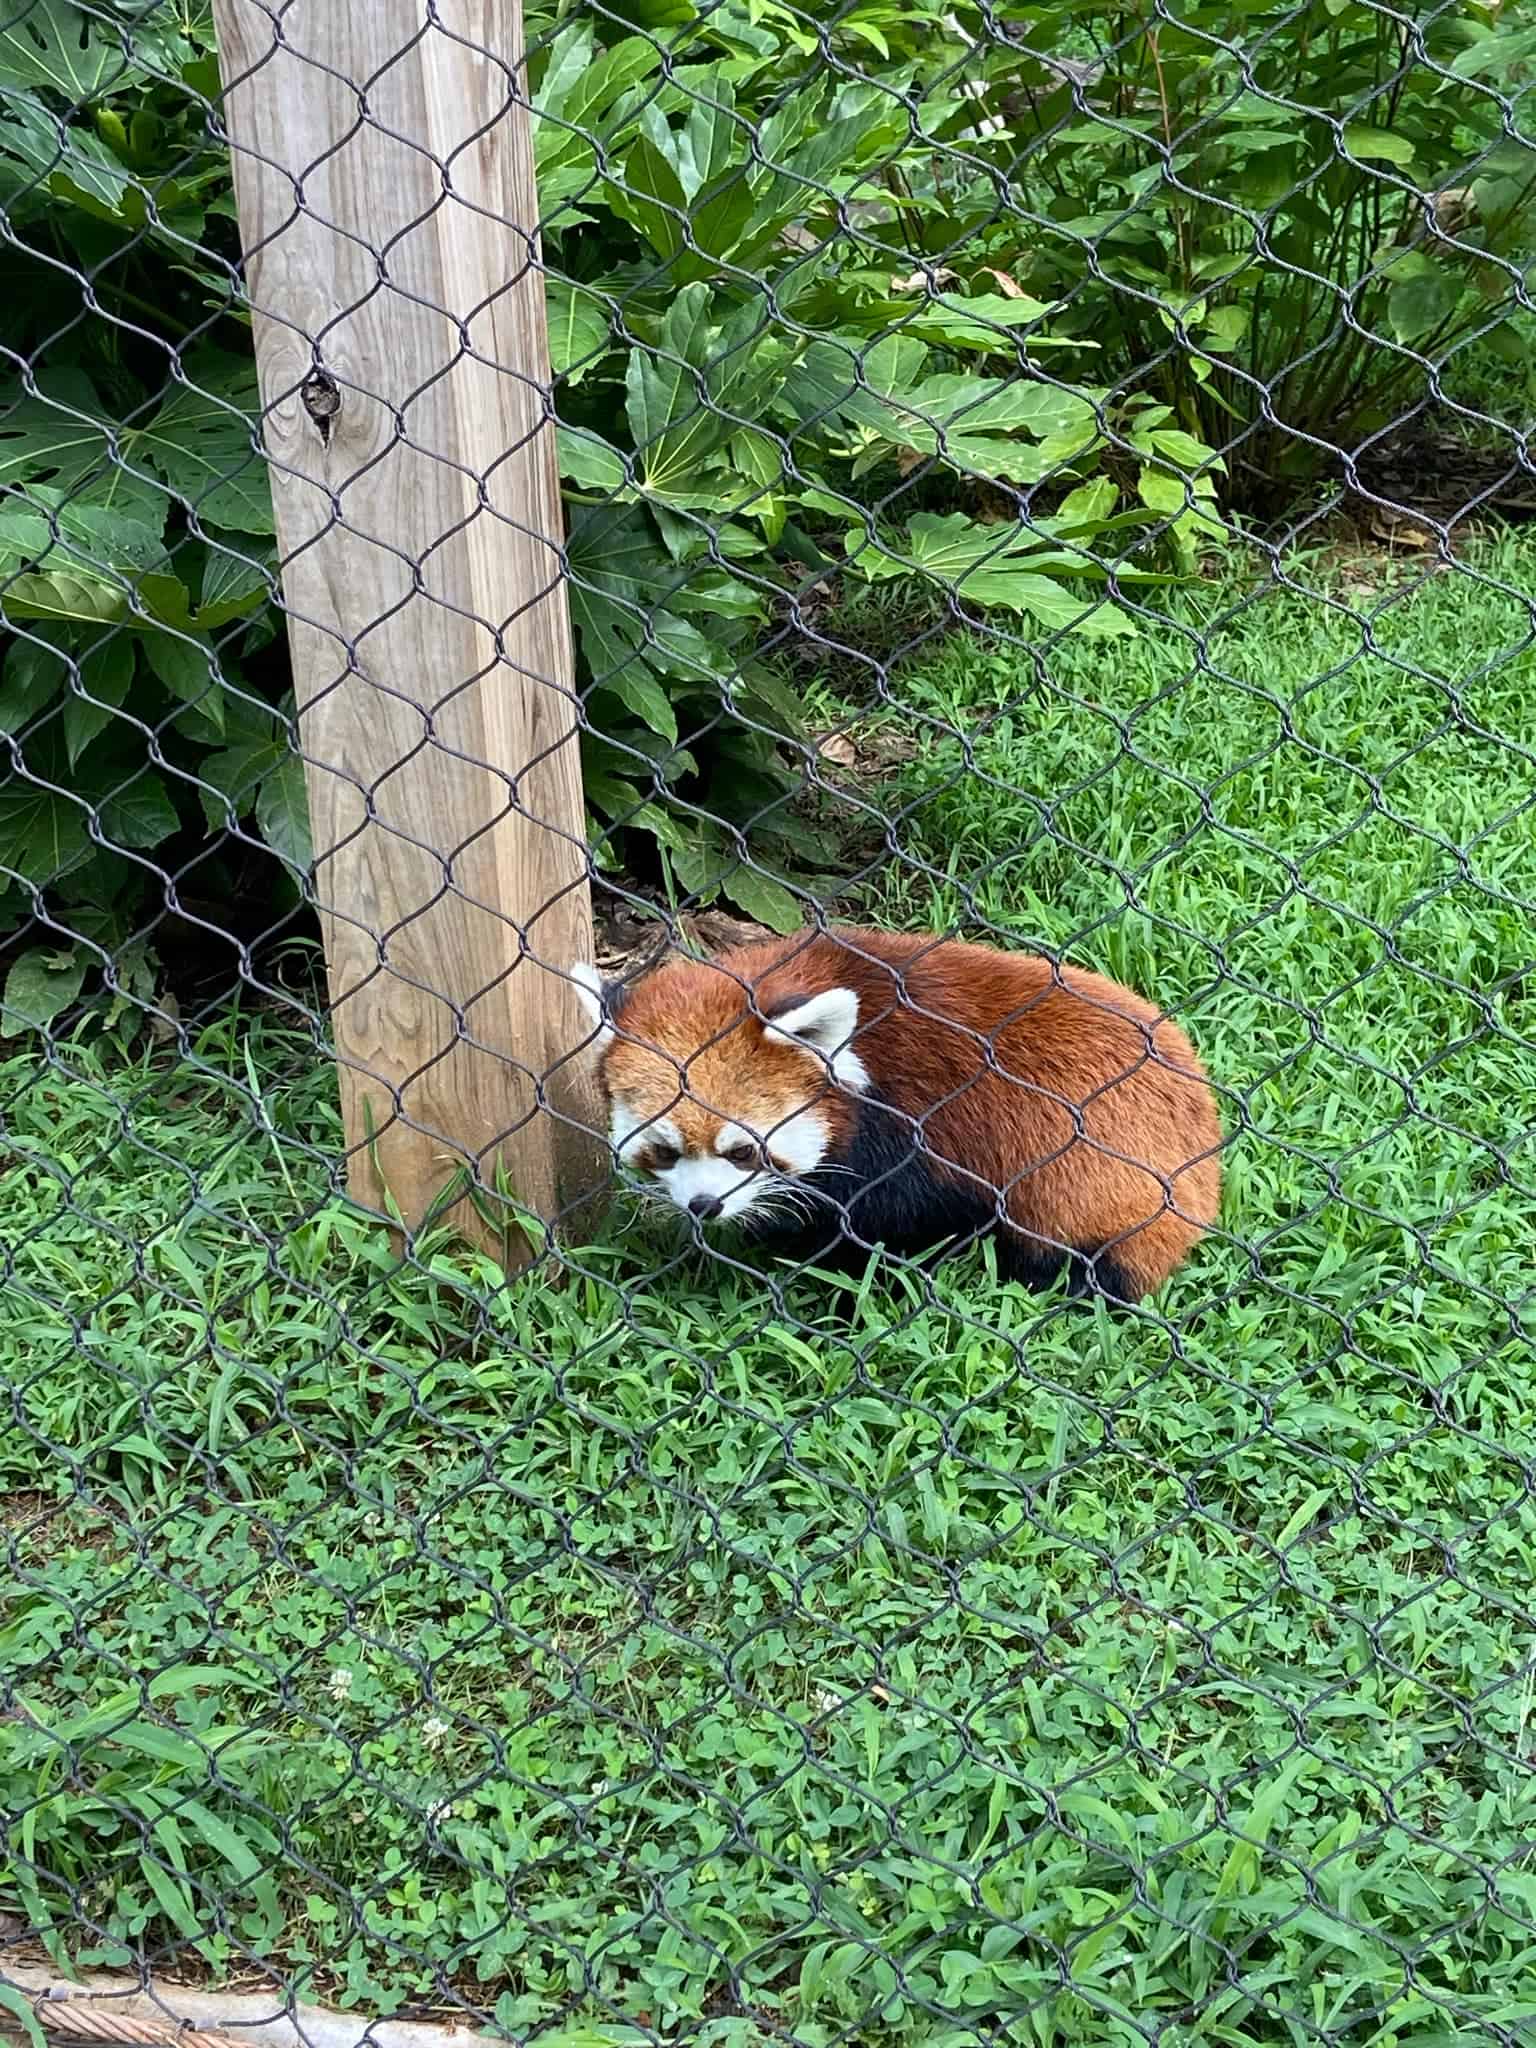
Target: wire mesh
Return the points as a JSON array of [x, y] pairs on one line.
[[1050, 479]]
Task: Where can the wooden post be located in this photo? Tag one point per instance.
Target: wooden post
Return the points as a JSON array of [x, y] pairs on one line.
[[384, 175]]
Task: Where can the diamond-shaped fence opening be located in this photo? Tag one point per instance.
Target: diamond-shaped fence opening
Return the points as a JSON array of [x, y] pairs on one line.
[[609, 1441]]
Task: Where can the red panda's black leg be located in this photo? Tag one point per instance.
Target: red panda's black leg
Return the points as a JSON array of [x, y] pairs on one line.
[[1103, 1277], [1038, 1266], [1029, 1261], [828, 1248]]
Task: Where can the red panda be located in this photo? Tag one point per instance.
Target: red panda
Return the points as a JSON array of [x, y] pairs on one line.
[[851, 1088]]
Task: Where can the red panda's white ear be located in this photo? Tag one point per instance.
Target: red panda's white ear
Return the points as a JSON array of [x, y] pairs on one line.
[[594, 995], [823, 1025]]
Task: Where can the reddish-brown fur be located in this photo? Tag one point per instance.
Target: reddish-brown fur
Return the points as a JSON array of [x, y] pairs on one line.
[[1063, 1091]]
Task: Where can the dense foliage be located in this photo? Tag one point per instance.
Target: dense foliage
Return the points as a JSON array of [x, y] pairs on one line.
[[850, 292], [722, 443], [1291, 211]]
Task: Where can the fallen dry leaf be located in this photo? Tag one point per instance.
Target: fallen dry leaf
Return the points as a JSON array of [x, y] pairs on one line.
[[1400, 532], [837, 748], [1008, 286], [924, 280]]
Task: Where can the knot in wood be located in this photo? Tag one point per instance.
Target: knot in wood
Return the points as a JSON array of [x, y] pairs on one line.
[[322, 400]]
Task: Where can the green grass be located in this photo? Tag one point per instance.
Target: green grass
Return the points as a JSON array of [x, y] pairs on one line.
[[655, 1655]]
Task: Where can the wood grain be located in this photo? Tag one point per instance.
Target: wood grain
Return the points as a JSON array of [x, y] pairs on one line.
[[383, 164]]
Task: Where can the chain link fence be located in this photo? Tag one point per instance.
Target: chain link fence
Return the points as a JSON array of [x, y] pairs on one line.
[[1051, 478]]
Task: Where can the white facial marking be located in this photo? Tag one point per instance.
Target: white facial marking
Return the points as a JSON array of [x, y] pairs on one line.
[[801, 1142], [699, 1177], [822, 1026], [630, 1133]]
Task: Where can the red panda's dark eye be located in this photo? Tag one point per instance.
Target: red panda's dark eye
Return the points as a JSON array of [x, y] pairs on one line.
[[661, 1158], [742, 1155]]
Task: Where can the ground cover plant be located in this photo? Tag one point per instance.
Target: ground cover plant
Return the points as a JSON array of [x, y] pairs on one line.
[[654, 1655]]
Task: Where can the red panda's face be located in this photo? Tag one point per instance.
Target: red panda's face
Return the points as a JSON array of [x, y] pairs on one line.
[[718, 1110]]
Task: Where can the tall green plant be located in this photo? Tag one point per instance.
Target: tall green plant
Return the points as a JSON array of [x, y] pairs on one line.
[[1276, 219], [755, 385]]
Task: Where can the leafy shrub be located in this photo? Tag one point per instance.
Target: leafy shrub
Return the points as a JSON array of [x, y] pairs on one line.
[[756, 386], [1290, 209]]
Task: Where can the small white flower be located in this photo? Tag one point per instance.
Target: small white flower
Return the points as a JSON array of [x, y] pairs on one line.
[[340, 1682], [439, 1811], [434, 1729], [826, 1702]]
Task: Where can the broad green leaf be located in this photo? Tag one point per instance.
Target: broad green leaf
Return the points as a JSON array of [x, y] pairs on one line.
[[702, 859], [760, 461], [568, 59], [282, 813], [663, 388], [971, 423], [43, 830], [96, 692], [716, 594], [1161, 492], [944, 545], [828, 163], [237, 578], [605, 83], [578, 330], [140, 813], [984, 322], [40, 986], [118, 533], [73, 51], [623, 594], [33, 675], [186, 669], [233, 776], [832, 375], [1499, 53], [724, 213], [71, 163], [1417, 305], [166, 600], [764, 899], [1183, 449], [1225, 327], [63, 595], [643, 695], [712, 137], [80, 558], [588, 460], [1042, 598], [1364, 141], [740, 372], [988, 565], [650, 196], [966, 406], [1089, 505], [56, 435], [202, 441]]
